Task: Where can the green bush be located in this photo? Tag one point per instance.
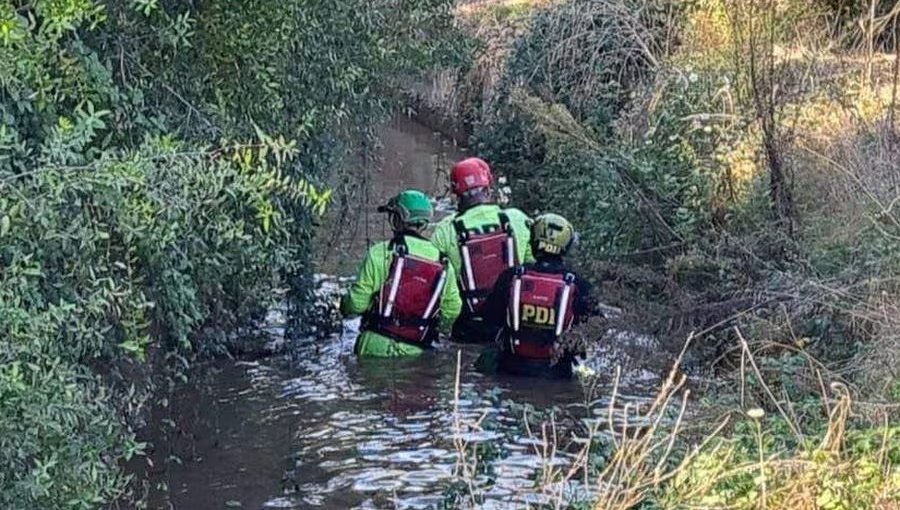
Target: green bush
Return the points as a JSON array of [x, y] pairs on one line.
[[153, 238], [111, 260], [59, 438], [142, 200], [638, 155], [856, 468], [676, 172], [588, 55]]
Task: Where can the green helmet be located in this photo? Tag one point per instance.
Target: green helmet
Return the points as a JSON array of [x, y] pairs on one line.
[[410, 207], [553, 234]]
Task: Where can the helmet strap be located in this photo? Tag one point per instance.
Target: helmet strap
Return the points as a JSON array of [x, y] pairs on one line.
[[400, 226], [397, 224]]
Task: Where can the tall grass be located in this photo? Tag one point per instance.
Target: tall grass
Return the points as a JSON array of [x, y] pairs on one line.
[[761, 139], [673, 453]]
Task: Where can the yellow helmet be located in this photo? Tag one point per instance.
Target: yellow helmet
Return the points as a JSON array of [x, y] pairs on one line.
[[553, 234]]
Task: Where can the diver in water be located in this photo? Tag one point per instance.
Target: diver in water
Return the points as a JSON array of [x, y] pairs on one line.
[[405, 288], [482, 240], [535, 304]]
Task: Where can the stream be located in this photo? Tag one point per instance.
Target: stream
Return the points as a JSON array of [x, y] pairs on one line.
[[319, 428]]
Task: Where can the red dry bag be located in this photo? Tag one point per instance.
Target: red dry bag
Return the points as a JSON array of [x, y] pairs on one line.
[[484, 257], [541, 309], [406, 307]]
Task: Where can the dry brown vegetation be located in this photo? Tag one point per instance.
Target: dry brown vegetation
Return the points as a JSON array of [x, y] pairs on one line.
[[661, 458], [799, 242]]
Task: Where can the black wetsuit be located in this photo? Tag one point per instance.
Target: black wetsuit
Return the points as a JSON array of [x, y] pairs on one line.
[[495, 315]]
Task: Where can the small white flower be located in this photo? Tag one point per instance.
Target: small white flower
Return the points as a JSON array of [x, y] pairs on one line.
[[693, 78], [707, 129], [756, 413]]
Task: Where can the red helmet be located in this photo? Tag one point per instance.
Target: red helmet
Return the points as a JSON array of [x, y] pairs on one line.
[[470, 173]]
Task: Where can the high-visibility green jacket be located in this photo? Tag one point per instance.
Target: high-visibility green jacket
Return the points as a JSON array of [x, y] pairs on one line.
[[475, 218], [372, 274]]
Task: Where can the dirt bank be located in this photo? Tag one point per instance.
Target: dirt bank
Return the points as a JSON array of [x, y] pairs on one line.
[[408, 154]]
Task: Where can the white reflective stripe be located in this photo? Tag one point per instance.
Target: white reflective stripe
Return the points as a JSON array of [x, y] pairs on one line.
[[395, 285], [511, 248], [516, 301], [434, 297], [467, 266], [470, 277], [563, 309]]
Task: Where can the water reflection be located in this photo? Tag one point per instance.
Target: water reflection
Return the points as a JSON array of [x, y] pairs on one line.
[[321, 429]]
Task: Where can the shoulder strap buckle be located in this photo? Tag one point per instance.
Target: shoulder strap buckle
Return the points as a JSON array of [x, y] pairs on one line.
[[504, 221], [398, 246], [461, 233]]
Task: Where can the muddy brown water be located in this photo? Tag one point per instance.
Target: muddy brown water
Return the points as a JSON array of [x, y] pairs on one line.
[[319, 428]]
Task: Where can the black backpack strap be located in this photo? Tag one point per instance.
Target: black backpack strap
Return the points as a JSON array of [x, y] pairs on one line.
[[504, 221], [461, 233], [398, 245], [445, 261]]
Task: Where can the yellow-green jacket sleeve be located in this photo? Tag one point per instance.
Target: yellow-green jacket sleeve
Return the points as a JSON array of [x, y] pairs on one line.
[[371, 276], [451, 301], [521, 225], [444, 239]]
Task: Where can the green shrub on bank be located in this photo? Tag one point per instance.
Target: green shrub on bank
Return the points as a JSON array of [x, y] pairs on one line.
[[588, 55], [593, 126], [844, 466], [130, 218], [117, 260], [156, 239], [673, 169], [59, 436]]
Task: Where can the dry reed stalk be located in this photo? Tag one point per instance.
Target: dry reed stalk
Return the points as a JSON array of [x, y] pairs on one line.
[[794, 482], [466, 468], [638, 466], [759, 377], [639, 461], [631, 471]]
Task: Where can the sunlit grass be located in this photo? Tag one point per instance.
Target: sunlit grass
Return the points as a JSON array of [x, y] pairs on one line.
[[500, 8]]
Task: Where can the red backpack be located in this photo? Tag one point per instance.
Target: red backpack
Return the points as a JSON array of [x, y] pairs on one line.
[[541, 309], [484, 256], [406, 306]]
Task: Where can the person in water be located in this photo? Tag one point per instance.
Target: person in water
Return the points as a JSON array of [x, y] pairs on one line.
[[405, 288], [535, 304], [482, 240]]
